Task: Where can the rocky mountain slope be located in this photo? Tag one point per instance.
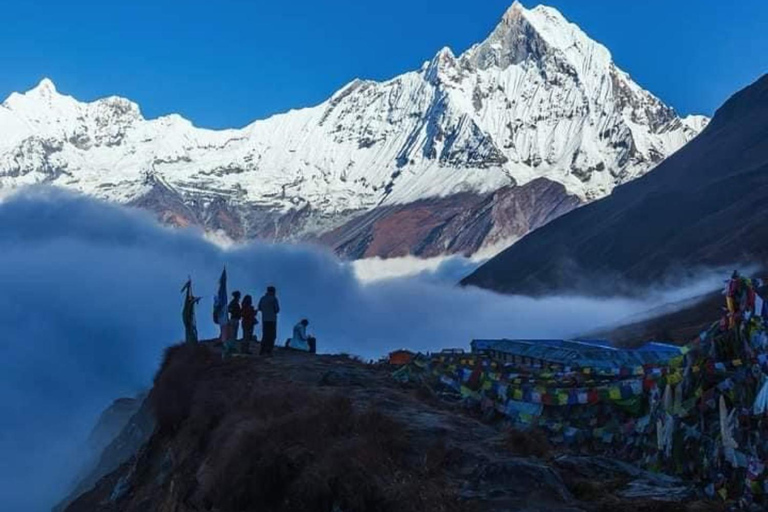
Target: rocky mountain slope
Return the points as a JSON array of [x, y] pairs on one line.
[[494, 142], [703, 207], [677, 323], [327, 433], [119, 434]]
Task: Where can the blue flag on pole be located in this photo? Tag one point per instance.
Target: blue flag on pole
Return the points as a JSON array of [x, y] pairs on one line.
[[220, 301]]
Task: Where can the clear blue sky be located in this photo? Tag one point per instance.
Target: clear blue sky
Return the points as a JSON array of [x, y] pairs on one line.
[[225, 63]]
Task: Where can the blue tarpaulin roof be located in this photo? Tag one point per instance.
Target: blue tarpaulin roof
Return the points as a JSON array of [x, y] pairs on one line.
[[591, 353]]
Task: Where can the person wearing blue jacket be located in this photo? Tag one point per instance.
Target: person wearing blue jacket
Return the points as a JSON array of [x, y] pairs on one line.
[[300, 340]]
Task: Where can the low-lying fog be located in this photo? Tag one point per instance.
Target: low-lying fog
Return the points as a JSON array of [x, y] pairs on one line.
[[90, 297]]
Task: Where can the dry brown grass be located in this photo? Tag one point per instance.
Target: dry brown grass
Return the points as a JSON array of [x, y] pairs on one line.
[[172, 394], [250, 443]]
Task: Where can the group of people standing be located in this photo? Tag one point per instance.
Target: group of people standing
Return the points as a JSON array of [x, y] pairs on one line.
[[230, 316], [246, 314]]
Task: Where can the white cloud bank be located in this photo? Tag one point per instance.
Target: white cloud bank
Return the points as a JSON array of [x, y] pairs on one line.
[[89, 298]]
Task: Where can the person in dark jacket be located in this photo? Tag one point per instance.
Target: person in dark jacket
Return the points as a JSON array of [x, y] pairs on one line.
[[233, 325], [269, 307], [235, 315], [249, 322]]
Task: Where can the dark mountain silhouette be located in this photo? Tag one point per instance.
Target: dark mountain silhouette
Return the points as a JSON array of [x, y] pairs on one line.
[[707, 205]]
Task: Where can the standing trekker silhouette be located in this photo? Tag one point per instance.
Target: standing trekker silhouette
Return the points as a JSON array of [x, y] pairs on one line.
[[249, 322], [233, 325], [269, 307], [235, 314], [220, 315]]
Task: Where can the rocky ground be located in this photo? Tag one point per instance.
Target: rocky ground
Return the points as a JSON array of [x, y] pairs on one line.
[[302, 432]]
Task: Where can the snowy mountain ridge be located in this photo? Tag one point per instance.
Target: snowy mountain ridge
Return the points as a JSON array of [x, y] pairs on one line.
[[537, 100]]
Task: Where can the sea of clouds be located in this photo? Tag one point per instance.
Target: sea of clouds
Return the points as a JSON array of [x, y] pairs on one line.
[[90, 297]]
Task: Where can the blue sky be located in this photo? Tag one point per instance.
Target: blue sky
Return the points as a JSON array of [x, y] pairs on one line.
[[228, 62]]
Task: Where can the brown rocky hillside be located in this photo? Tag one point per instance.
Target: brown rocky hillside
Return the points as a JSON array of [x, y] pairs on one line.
[[328, 433]]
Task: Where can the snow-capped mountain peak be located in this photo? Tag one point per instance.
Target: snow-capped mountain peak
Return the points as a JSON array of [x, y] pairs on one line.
[[550, 25], [45, 89], [537, 100], [514, 10], [41, 98], [39, 103], [562, 34], [443, 66], [535, 33], [45, 111]]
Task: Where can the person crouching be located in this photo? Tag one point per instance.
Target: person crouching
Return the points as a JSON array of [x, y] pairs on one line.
[[300, 340]]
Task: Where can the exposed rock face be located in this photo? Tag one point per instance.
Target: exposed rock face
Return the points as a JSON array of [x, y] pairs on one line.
[[118, 436], [704, 207], [112, 421], [461, 223], [537, 99]]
